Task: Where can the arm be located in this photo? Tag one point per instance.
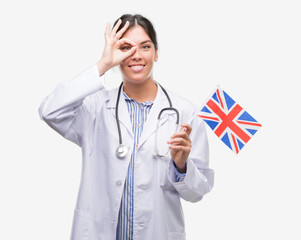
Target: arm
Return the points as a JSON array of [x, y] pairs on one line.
[[64, 108], [199, 177]]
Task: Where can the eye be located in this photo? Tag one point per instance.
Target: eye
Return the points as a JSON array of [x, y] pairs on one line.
[[125, 48], [145, 47]]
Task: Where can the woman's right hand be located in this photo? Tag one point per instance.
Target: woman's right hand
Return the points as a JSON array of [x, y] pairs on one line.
[[112, 54]]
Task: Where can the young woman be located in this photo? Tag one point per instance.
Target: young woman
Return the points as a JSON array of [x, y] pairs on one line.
[[135, 167]]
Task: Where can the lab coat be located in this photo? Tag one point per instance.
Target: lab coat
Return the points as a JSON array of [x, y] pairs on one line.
[[83, 111]]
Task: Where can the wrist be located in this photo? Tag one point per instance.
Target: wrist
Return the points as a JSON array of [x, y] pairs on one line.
[[102, 67], [181, 168]]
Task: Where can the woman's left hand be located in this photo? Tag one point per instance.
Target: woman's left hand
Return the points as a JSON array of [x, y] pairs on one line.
[[180, 145]]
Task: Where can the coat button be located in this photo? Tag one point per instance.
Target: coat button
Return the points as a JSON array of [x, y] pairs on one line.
[[119, 183]]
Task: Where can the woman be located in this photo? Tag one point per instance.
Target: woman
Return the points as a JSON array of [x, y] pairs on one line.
[[132, 192]]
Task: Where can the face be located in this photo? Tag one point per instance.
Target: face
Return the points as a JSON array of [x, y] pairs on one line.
[[138, 67]]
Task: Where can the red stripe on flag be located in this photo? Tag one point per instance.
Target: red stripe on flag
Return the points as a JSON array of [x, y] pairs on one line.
[[219, 98], [212, 118], [227, 121], [235, 144], [250, 123]]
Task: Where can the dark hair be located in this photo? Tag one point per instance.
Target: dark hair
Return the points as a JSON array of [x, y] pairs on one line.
[[138, 19]]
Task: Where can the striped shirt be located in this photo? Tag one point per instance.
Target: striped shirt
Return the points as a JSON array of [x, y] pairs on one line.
[[138, 115]]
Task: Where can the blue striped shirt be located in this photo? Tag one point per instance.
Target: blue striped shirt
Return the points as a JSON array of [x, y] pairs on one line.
[[138, 115]]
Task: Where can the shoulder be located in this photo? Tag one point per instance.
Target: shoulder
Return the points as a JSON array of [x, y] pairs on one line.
[[100, 99], [181, 103]]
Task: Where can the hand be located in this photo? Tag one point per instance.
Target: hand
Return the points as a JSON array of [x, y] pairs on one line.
[[112, 54], [180, 146]]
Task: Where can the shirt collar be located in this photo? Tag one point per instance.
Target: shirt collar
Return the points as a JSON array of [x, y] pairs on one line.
[[127, 98]]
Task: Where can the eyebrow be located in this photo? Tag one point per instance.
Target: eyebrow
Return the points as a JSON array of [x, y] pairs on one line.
[[145, 41]]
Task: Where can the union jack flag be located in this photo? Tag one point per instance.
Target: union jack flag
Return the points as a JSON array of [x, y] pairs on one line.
[[229, 121]]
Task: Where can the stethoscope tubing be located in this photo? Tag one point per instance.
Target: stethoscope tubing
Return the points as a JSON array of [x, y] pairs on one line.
[[117, 116], [122, 150]]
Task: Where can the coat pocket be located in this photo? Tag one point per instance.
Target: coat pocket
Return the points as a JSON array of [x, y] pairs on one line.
[[81, 225], [165, 183], [176, 236]]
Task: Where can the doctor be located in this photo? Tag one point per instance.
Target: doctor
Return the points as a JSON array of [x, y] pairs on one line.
[[132, 192]]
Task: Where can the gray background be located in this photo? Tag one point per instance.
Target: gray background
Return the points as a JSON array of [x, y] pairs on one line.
[[251, 48]]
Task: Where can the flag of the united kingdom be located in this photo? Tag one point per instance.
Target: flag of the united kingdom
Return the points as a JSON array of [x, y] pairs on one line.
[[229, 121]]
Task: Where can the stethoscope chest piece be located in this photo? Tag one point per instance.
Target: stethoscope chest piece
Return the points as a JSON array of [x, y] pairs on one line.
[[121, 151]]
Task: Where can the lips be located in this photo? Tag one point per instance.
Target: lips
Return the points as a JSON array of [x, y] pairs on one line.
[[136, 67]]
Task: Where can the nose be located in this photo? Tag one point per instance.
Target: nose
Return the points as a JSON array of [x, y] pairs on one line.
[[137, 55]]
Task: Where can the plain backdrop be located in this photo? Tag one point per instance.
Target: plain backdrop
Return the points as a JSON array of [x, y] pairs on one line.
[[251, 48]]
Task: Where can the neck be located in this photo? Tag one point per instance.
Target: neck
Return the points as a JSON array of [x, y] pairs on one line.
[[145, 92]]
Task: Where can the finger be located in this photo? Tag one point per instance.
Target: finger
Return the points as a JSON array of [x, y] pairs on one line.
[[114, 30], [126, 41], [122, 30], [184, 130], [181, 134], [187, 128], [179, 141], [130, 52], [107, 31], [180, 148]]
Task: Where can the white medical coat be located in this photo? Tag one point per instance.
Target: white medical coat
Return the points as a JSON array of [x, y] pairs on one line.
[[83, 111]]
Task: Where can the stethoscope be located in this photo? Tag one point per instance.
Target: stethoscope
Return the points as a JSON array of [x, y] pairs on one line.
[[122, 150]]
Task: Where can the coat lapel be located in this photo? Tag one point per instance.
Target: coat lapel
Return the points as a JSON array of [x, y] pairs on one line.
[[150, 125], [123, 113]]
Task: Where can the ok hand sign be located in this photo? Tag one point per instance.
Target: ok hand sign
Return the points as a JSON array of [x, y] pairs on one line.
[[112, 54]]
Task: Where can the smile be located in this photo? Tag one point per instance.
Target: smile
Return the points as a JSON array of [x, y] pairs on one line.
[[137, 68]]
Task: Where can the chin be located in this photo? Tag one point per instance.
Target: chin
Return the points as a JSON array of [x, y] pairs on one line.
[[137, 79]]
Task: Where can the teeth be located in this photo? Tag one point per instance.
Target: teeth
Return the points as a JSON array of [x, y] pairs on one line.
[[137, 67]]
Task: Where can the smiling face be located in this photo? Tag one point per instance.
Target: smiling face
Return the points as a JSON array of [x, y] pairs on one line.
[[137, 68]]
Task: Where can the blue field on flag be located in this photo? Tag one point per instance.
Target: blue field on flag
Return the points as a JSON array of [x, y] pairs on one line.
[[228, 120]]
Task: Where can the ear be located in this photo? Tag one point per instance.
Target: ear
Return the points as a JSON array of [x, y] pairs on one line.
[[156, 56]]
